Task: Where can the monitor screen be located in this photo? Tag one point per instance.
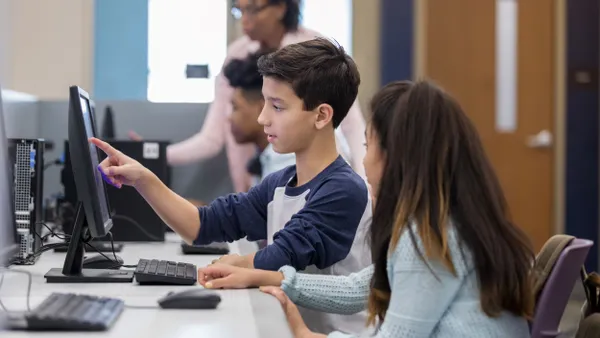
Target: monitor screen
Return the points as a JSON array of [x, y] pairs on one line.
[[94, 158], [8, 229], [91, 191]]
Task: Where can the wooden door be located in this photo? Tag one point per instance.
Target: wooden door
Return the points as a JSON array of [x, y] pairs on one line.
[[460, 55]]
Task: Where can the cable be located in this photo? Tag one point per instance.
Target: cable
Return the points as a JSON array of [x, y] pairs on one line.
[[112, 245], [137, 225], [52, 233], [57, 161], [116, 260], [67, 238], [29, 282], [40, 251]]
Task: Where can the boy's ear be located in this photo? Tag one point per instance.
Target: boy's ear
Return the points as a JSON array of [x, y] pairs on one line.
[[324, 115]]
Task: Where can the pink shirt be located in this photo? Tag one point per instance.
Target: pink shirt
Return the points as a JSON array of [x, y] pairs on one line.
[[216, 132]]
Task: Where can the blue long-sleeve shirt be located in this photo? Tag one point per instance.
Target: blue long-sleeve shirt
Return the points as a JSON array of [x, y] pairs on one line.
[[321, 232], [427, 300]]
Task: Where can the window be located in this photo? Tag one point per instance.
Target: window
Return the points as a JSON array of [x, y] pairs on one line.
[[182, 32], [317, 14]]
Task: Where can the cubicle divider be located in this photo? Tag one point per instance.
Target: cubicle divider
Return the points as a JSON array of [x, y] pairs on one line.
[[28, 117]]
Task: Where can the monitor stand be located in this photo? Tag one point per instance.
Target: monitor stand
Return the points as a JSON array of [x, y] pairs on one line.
[[72, 270]]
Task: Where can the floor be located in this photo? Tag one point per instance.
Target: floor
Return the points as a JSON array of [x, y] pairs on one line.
[[572, 315]]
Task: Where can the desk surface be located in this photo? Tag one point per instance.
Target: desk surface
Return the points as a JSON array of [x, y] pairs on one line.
[[241, 313]]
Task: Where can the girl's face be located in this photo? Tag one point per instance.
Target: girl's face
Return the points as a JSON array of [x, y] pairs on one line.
[[374, 160]]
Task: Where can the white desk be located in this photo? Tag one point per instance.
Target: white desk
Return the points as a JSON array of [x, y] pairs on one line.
[[241, 313]]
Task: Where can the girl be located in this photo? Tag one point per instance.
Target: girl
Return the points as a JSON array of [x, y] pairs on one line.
[[447, 261]]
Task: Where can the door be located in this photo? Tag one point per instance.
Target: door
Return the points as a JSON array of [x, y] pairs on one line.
[[460, 42]]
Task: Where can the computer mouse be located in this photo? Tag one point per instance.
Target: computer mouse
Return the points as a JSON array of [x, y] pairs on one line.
[[196, 298], [101, 262]]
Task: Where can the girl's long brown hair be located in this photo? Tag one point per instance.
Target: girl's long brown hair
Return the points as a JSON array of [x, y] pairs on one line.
[[437, 170]]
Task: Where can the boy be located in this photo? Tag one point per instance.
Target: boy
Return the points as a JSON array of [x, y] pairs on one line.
[[247, 103], [313, 214]]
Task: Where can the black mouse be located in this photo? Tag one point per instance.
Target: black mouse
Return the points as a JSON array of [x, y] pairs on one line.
[[101, 262], [196, 298]]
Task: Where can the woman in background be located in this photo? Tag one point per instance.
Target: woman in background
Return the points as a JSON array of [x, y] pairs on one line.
[[267, 24]]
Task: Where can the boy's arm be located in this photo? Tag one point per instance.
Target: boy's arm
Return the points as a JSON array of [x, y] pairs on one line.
[[178, 213], [235, 216], [226, 219], [322, 233]]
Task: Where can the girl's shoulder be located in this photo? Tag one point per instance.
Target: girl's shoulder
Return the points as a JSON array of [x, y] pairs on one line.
[[410, 250]]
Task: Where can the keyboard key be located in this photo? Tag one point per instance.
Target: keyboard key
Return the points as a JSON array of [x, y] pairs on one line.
[[181, 270], [162, 268], [190, 271]]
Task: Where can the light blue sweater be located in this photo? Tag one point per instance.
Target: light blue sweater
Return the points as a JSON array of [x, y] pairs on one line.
[[421, 305]]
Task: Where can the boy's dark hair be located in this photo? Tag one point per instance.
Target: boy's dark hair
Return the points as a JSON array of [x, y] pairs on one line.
[[319, 71], [243, 74], [291, 19]]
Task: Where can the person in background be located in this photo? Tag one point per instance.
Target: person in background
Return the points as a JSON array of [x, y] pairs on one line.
[[447, 260], [267, 24]]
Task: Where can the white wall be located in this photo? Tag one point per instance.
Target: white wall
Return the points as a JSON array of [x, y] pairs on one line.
[[5, 35], [49, 47], [366, 47]]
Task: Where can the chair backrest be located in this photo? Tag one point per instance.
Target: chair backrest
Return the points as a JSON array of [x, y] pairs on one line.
[[557, 289]]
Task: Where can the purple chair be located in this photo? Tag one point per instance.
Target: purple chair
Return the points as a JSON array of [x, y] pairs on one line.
[[557, 290]]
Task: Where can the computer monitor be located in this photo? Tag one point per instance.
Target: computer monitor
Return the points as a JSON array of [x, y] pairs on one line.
[[108, 124], [92, 216], [8, 229]]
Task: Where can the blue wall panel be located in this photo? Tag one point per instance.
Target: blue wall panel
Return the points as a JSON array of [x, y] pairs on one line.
[[396, 40], [121, 49], [582, 124]]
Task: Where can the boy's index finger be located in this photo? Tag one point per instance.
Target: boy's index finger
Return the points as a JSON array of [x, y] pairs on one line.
[[105, 147]]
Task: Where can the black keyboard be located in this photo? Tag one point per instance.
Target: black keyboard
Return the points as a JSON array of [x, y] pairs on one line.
[[156, 272], [208, 249], [70, 312]]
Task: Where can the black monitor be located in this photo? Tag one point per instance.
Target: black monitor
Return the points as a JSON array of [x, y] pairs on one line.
[[108, 124], [8, 228], [92, 216]]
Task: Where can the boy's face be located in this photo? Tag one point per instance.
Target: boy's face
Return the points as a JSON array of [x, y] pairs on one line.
[[244, 125], [289, 128]]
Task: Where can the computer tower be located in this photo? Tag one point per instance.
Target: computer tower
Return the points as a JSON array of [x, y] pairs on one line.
[[26, 157], [133, 218]]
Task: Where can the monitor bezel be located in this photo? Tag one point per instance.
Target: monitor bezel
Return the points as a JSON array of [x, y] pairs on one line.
[[82, 167]]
